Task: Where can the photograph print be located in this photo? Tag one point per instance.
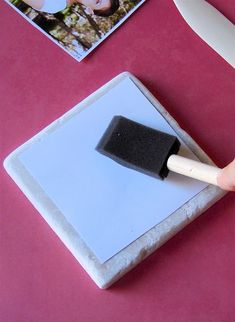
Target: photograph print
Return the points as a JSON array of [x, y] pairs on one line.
[[77, 26]]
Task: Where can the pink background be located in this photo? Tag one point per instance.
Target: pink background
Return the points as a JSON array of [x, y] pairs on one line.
[[192, 277]]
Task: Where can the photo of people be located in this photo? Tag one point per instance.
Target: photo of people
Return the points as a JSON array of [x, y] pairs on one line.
[[78, 26]]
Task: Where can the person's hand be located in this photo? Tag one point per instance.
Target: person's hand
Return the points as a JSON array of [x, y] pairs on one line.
[[226, 178]]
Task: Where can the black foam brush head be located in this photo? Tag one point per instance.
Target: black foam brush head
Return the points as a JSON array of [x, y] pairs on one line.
[[138, 147]]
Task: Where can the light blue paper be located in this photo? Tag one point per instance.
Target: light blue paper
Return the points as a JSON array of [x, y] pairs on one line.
[[109, 205]]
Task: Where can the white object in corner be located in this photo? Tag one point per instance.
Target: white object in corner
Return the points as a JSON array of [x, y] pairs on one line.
[[213, 27]]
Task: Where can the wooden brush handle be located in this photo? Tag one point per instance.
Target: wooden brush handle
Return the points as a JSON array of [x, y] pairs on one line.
[[193, 169]]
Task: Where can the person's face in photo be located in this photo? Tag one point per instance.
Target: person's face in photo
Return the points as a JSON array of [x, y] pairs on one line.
[[93, 5]]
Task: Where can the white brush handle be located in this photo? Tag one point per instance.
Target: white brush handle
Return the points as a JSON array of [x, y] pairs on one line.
[[193, 169]]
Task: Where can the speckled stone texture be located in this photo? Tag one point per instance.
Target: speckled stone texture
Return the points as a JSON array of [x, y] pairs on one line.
[[106, 274]]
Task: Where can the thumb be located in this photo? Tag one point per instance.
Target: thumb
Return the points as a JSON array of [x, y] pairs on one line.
[[226, 178]]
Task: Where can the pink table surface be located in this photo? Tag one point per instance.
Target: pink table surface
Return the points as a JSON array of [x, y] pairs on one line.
[[192, 277]]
